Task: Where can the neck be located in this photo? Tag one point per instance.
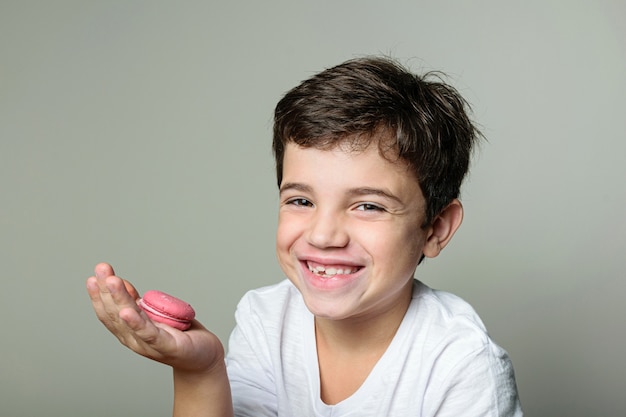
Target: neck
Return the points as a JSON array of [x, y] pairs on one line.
[[348, 350]]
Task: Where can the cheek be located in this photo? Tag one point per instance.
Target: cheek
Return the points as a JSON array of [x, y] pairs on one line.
[[286, 237], [401, 250], [286, 234], [414, 243]]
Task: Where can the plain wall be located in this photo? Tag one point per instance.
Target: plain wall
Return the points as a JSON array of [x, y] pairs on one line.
[[138, 133]]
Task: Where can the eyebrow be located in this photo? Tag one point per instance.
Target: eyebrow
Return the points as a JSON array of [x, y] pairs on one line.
[[362, 191], [296, 186], [353, 192]]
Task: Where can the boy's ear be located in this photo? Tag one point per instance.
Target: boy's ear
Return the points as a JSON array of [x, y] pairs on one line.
[[443, 228]]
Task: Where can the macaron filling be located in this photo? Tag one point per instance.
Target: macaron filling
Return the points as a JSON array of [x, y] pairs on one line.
[[148, 309], [164, 308]]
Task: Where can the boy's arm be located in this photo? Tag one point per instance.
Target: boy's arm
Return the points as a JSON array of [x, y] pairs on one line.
[[201, 386], [207, 394]]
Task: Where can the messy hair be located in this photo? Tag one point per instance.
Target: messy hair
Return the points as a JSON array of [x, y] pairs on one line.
[[425, 121]]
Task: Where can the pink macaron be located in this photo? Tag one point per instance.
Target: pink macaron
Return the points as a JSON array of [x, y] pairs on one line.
[[166, 309]]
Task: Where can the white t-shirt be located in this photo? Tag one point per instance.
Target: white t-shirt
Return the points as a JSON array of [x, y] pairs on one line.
[[441, 362]]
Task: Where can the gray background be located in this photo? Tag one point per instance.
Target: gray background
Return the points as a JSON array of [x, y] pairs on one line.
[[138, 133]]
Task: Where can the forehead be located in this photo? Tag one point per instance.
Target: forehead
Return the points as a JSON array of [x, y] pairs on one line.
[[347, 164]]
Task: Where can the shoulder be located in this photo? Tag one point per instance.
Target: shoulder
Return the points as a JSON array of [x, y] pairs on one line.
[[269, 297], [269, 304], [466, 363], [449, 327], [445, 309], [268, 321]]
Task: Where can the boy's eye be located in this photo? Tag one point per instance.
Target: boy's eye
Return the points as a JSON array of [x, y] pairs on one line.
[[300, 202], [369, 207]]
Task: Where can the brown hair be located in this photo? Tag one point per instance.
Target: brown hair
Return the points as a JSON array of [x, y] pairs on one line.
[[426, 120]]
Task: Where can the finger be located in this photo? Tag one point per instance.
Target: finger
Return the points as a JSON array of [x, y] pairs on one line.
[[101, 288], [103, 270], [143, 328], [130, 288], [106, 311], [120, 296], [148, 338], [93, 289]]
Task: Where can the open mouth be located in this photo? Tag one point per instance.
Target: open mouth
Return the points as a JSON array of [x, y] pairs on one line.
[[330, 271]]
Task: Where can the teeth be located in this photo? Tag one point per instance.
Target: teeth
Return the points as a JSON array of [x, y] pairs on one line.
[[328, 272]]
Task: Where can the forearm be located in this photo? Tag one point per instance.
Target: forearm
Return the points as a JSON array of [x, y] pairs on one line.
[[202, 395]]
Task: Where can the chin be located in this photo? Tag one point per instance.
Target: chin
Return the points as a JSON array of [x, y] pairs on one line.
[[331, 305], [328, 311]]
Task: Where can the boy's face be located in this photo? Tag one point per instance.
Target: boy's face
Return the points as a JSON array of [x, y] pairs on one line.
[[349, 235]]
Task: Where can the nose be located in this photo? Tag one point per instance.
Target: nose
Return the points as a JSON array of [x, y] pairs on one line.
[[327, 230]]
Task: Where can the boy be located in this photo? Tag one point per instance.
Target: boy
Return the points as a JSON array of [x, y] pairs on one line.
[[370, 159]]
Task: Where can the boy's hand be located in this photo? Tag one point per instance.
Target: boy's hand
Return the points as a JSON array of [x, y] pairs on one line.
[[115, 302]]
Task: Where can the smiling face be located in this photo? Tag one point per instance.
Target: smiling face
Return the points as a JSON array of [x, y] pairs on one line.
[[349, 231]]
